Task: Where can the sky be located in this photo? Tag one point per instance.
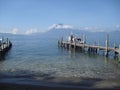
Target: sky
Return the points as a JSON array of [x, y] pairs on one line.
[[28, 16]]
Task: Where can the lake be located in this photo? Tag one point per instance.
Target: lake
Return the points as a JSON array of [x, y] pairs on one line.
[[38, 60]]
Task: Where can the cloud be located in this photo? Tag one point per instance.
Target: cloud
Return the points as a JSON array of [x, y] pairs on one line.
[[101, 28], [15, 31], [60, 26], [92, 29], [118, 26], [31, 31], [87, 28]]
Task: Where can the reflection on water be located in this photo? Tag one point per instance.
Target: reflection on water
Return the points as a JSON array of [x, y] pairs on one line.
[[68, 64]]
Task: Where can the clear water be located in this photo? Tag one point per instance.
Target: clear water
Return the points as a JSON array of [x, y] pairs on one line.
[[40, 58]]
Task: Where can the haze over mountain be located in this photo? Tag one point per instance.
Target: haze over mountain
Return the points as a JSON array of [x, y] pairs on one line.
[[57, 31], [63, 30], [66, 27]]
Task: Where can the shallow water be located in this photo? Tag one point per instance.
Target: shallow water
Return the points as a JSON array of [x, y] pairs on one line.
[[39, 58]]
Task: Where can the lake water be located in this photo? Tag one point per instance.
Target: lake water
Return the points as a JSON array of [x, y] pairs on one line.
[[38, 60]]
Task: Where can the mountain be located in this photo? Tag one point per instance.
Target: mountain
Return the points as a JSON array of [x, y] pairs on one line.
[[56, 34], [56, 31], [61, 30]]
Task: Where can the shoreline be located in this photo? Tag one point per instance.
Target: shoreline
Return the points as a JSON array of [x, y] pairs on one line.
[[13, 86], [83, 84], [48, 82]]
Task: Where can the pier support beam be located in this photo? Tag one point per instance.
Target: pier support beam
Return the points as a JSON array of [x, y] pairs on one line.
[[61, 42], [58, 43], [115, 50], [8, 42], [98, 49], [95, 49], [70, 46], [2, 45], [106, 53], [88, 49], [119, 54], [75, 41]]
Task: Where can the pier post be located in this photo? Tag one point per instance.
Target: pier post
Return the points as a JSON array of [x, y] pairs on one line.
[[98, 49], [75, 43], [106, 53], [7, 42], [61, 42], [88, 49], [2, 43], [70, 46], [119, 54], [70, 43], [95, 49], [115, 49]]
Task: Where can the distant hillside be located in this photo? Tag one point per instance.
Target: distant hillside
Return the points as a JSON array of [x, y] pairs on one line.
[[114, 36], [66, 32], [92, 37]]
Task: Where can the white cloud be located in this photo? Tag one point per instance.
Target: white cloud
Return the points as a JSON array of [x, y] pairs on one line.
[[67, 26], [15, 31], [87, 28], [60, 26], [93, 29], [118, 26], [31, 31]]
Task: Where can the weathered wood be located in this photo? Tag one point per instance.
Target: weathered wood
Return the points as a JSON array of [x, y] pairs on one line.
[[106, 53]]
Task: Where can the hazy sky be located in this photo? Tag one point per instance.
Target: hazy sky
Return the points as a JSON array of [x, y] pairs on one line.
[[33, 15]]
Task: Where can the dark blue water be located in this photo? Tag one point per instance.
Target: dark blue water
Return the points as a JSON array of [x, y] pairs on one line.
[[39, 58]]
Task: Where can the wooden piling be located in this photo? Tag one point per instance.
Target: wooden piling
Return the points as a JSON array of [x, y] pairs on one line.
[[115, 53], [58, 43], [106, 53], [88, 49], [61, 42], [119, 54], [75, 43], [70, 45], [98, 49]]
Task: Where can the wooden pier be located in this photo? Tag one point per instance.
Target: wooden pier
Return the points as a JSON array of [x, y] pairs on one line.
[[90, 48], [5, 45]]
